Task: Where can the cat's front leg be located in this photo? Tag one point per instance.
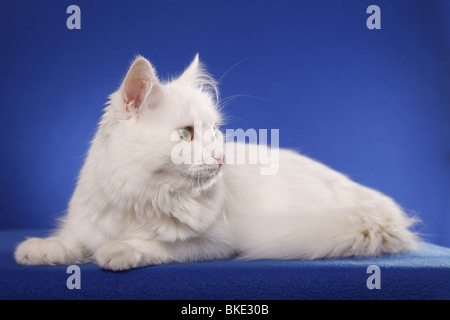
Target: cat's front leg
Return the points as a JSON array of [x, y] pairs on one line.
[[120, 255], [49, 251]]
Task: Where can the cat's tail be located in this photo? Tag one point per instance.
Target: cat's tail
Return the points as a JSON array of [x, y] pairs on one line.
[[366, 229]]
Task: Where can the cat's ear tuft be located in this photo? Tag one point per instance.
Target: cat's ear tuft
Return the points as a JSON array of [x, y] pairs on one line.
[[196, 75], [192, 72], [139, 83]]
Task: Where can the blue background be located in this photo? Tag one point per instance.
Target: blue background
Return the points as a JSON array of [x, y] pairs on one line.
[[373, 104]]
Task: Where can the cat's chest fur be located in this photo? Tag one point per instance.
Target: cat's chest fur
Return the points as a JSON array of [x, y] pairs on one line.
[[178, 215], [159, 214]]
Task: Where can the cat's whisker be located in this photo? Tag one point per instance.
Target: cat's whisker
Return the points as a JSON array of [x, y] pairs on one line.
[[231, 68], [226, 101], [230, 99]]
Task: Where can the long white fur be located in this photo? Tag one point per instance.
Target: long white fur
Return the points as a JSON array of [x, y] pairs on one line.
[[134, 207]]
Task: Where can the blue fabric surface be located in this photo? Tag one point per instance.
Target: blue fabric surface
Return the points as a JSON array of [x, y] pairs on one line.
[[424, 274]]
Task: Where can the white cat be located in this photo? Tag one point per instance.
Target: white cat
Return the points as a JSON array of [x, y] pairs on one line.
[[134, 206]]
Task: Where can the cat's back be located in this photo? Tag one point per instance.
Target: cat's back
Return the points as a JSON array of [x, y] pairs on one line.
[[277, 179]]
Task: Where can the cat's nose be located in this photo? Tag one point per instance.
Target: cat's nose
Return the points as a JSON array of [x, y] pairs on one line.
[[220, 159]]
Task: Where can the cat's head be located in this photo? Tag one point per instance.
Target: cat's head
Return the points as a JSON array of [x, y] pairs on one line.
[[166, 131]]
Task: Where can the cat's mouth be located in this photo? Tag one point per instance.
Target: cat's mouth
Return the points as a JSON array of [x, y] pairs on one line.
[[202, 176]]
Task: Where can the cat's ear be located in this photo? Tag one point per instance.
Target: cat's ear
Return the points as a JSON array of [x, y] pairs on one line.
[[140, 82], [193, 72], [196, 76]]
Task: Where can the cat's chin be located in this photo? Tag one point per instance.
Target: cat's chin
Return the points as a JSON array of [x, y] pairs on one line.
[[202, 178]]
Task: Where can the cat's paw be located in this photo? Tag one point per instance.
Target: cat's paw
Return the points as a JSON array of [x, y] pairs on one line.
[[118, 256], [38, 251]]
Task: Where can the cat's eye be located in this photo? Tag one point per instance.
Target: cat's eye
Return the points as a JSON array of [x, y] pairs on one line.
[[186, 134]]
